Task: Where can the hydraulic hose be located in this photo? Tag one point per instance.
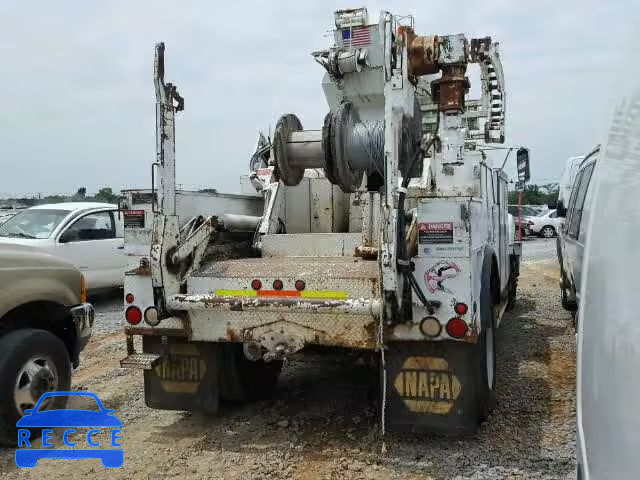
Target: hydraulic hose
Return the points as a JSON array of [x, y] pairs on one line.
[[403, 261]]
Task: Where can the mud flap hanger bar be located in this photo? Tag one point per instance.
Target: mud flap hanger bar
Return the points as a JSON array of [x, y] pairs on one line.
[[293, 305]]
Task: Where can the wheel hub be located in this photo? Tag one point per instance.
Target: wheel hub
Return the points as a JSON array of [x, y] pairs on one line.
[[37, 376]]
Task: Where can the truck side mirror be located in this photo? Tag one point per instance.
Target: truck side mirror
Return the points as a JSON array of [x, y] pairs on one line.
[[522, 164], [561, 210]]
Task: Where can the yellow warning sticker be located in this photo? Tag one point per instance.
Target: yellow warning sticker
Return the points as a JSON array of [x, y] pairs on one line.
[[426, 385], [181, 369]]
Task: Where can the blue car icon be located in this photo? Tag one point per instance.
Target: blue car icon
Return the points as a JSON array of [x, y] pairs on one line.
[[69, 418]]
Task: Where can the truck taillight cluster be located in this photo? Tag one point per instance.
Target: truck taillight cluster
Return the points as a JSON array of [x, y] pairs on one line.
[[151, 316], [133, 315], [278, 284], [461, 308], [457, 328], [430, 327]]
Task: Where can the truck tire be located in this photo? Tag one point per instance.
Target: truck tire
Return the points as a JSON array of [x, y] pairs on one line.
[[32, 362], [242, 380], [565, 286], [486, 356]]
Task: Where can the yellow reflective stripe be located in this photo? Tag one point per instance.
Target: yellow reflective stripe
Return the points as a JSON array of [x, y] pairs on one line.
[[236, 293], [335, 294]]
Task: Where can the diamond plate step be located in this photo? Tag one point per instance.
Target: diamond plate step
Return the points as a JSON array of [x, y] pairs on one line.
[[144, 361]]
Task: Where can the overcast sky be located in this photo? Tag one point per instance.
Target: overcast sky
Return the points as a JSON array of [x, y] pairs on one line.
[[78, 101]]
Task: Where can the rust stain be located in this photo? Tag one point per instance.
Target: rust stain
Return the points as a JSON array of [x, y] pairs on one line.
[[366, 252], [232, 335], [144, 269], [449, 90], [422, 52], [375, 289], [169, 332]]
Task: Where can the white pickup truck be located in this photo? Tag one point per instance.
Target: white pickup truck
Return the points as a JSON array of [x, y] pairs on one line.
[[87, 234]]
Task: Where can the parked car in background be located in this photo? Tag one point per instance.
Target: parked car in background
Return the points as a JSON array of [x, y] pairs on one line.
[[545, 225], [88, 234], [573, 232], [526, 212], [44, 324]]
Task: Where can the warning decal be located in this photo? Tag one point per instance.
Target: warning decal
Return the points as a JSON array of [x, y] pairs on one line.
[[435, 232], [426, 385], [133, 218]]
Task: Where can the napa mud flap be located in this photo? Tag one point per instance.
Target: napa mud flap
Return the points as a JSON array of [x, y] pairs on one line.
[[431, 388], [185, 377]]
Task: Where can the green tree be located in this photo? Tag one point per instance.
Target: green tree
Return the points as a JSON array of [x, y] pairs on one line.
[[80, 195], [536, 194], [55, 198], [106, 195]]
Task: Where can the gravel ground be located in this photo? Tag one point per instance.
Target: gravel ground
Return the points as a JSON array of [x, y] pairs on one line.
[[538, 249], [109, 312], [322, 424]]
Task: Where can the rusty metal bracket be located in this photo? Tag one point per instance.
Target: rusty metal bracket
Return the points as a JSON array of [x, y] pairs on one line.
[[187, 255]]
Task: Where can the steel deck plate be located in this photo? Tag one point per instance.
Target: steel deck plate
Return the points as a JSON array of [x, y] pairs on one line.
[[290, 267]]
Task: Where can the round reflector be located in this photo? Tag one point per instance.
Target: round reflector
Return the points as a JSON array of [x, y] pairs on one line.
[[300, 285], [129, 298], [133, 315], [256, 284], [430, 327], [277, 285], [457, 328], [151, 316], [461, 308]]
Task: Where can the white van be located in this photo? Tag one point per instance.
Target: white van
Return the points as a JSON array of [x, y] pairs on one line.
[[573, 233], [608, 389], [568, 178]]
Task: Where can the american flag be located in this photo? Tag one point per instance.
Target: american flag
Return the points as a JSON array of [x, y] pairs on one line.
[[356, 36]]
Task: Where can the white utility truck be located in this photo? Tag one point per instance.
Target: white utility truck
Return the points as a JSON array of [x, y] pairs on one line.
[[384, 230]]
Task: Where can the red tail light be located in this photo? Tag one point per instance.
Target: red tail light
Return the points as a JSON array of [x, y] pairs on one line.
[[300, 285], [461, 308], [129, 298], [256, 284], [457, 328], [278, 285], [133, 315]]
